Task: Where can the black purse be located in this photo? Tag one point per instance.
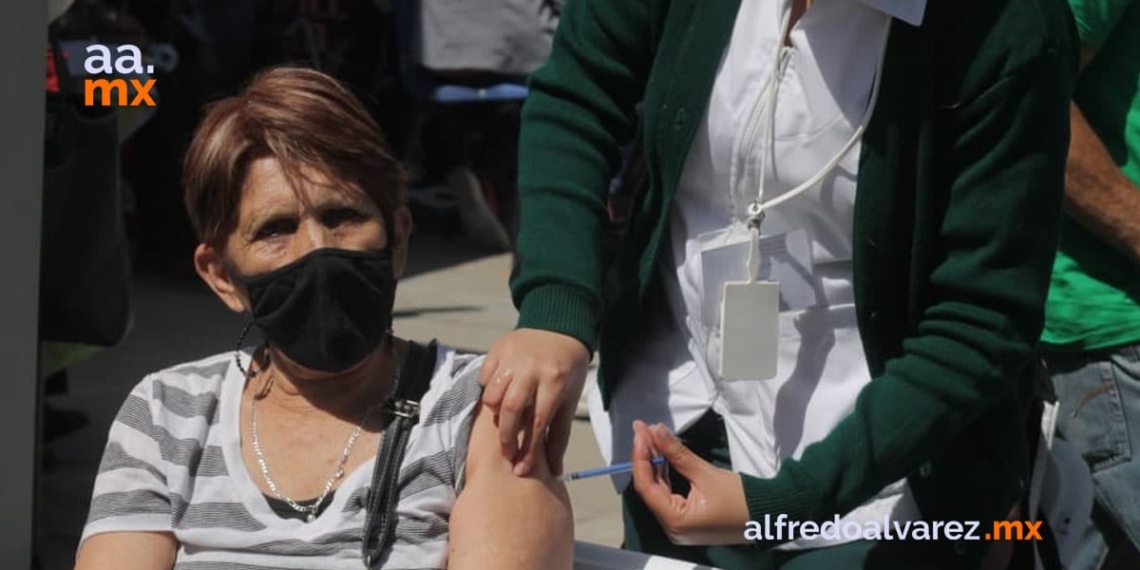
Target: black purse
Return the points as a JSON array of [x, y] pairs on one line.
[[404, 410], [85, 275]]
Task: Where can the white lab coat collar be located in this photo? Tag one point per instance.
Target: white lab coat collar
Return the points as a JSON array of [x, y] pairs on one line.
[[909, 11]]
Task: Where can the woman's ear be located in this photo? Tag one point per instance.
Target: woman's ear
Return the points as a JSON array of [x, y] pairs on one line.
[[213, 269], [400, 237]]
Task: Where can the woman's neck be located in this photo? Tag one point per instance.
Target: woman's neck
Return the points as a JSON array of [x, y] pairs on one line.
[[346, 395]]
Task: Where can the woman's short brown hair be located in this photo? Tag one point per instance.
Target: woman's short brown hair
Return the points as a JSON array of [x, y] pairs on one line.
[[303, 118]]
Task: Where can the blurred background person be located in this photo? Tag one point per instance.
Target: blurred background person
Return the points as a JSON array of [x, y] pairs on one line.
[[481, 52], [1091, 341], [85, 269], [504, 37]]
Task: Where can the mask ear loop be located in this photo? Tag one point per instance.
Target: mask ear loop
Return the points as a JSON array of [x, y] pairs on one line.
[[262, 363]]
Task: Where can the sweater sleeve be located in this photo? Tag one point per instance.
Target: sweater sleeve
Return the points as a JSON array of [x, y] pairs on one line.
[[579, 111], [1003, 163]]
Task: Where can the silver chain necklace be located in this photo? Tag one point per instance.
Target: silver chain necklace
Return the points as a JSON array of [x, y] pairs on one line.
[[310, 511]]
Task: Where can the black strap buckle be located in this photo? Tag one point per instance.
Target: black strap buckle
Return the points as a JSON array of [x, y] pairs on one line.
[[409, 409]]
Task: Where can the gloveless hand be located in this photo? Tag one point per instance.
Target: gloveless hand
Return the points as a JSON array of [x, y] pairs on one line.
[[713, 513], [532, 379]]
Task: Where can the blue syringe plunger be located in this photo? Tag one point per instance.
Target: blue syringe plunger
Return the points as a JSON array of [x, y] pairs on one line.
[[610, 470]]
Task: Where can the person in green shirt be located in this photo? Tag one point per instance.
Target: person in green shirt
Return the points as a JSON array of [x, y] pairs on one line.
[[930, 249], [1091, 341]]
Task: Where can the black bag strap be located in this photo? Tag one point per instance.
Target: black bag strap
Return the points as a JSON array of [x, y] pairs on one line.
[[404, 410]]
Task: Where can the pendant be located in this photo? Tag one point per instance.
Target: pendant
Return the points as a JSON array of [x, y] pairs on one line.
[[310, 517]]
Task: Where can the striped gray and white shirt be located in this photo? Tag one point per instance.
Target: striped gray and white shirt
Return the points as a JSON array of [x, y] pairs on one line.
[[173, 463]]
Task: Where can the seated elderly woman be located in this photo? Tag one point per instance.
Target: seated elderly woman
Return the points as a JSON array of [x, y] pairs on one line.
[[268, 457]]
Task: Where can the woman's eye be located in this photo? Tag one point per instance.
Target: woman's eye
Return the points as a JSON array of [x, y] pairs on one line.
[[334, 218], [275, 228]]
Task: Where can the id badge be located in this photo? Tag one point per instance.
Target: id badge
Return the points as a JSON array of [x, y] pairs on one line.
[[742, 315], [750, 330], [783, 258]]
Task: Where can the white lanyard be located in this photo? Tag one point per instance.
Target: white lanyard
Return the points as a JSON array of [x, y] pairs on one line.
[[758, 206]]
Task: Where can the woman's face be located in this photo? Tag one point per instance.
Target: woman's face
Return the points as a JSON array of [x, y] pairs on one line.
[[277, 225]]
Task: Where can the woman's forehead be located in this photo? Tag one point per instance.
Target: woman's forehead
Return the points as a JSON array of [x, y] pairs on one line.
[[269, 185]]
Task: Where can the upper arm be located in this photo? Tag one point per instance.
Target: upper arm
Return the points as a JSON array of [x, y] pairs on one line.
[[134, 550], [504, 521], [1005, 165], [583, 98], [579, 111], [130, 517]]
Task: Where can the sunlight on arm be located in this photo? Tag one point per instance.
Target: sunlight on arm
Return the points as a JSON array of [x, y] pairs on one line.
[[134, 550], [504, 521]]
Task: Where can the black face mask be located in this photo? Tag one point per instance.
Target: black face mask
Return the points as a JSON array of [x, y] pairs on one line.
[[327, 310]]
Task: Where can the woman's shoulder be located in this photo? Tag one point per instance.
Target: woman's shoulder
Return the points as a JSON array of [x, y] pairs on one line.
[[454, 387], [454, 365], [187, 390]]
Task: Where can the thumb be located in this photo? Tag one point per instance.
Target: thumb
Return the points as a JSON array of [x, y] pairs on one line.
[[681, 459]]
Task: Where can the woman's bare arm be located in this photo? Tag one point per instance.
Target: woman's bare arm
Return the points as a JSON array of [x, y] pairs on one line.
[[134, 550], [504, 521]]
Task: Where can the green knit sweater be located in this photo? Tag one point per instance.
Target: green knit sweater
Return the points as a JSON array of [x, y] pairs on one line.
[[957, 216]]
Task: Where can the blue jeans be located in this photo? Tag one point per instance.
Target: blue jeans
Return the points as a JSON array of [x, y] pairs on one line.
[[1099, 397]]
